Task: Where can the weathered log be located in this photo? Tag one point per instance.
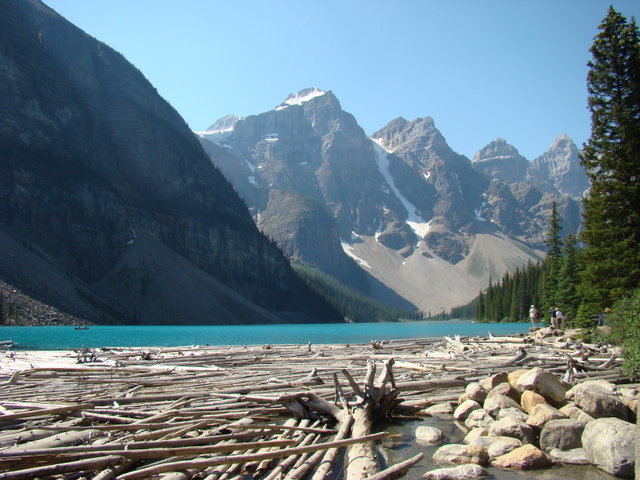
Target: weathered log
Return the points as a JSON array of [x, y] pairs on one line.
[[187, 464], [80, 465], [330, 455], [398, 470]]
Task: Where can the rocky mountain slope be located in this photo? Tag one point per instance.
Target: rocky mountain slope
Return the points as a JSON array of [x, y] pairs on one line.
[[425, 222], [109, 207]]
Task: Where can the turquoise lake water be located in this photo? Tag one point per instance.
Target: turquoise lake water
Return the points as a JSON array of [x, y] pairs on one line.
[[56, 338]]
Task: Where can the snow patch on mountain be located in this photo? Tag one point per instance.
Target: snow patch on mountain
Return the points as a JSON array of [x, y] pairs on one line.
[[301, 97], [415, 221], [380, 142]]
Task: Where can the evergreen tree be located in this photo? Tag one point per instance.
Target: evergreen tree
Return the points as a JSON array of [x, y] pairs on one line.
[[553, 260], [569, 279], [611, 158]]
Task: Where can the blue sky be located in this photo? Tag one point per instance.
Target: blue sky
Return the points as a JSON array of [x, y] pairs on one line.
[[482, 69]]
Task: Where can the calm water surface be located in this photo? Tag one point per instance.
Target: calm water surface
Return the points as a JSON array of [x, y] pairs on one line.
[[55, 338]]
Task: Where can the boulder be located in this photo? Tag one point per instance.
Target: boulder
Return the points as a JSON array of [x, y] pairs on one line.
[[530, 399], [563, 434], [523, 458], [478, 418], [490, 382], [598, 401], [475, 392], [543, 382], [541, 414], [505, 388], [609, 444], [511, 427], [461, 472], [608, 386], [512, 377], [575, 413], [439, 409], [459, 453], [497, 446], [429, 436], [497, 402], [573, 456], [475, 433], [514, 413], [631, 403], [465, 408]]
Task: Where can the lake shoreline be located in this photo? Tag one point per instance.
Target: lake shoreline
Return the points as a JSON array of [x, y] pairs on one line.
[[136, 393]]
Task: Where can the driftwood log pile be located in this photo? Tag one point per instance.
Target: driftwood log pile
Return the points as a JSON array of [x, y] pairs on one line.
[[264, 412]]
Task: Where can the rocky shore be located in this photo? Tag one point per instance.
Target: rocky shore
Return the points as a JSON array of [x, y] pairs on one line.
[[521, 404]]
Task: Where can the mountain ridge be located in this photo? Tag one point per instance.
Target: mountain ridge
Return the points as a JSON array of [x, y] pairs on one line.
[[402, 194], [104, 188]]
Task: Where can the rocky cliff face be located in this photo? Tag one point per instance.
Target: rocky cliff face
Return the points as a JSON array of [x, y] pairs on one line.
[[426, 222], [501, 161], [102, 182], [559, 169]]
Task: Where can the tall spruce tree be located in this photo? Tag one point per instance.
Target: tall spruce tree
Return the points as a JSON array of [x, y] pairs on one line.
[[611, 158], [569, 300], [553, 260]]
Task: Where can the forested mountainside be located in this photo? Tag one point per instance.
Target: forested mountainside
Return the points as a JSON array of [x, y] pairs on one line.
[[110, 209]]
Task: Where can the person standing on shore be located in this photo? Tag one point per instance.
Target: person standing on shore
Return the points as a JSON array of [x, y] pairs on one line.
[[533, 316], [554, 319], [559, 318]]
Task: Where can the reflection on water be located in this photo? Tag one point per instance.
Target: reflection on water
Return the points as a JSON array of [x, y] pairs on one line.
[[402, 445]]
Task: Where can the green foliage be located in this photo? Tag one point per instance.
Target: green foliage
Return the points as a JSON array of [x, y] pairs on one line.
[[553, 260], [624, 321], [509, 300], [349, 302], [611, 232], [568, 298]]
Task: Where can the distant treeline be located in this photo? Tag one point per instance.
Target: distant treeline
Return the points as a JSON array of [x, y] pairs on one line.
[[550, 283], [352, 304]]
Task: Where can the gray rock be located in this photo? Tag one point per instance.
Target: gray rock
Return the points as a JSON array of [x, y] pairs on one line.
[[478, 418], [574, 456], [542, 414], [609, 444], [505, 388], [502, 446], [459, 453], [429, 436], [465, 408], [575, 413], [475, 391], [510, 427], [461, 472], [598, 401], [489, 383], [475, 433], [497, 446], [563, 434], [497, 402], [513, 413]]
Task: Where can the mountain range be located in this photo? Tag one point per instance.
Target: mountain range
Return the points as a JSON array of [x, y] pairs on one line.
[[398, 214], [113, 211], [110, 210]]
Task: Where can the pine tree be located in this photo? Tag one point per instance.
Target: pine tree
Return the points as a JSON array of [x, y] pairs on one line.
[[569, 300], [611, 158], [553, 260]]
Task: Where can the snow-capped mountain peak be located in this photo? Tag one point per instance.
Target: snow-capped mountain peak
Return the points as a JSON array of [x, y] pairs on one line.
[[301, 97]]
